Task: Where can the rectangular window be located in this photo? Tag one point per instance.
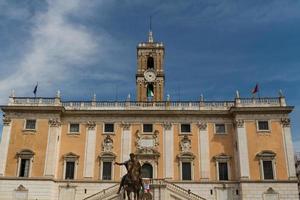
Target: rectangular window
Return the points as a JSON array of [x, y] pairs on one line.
[[30, 124], [220, 128], [186, 171], [106, 171], [108, 128], [74, 128], [147, 128], [223, 171], [24, 168], [70, 170], [263, 125], [268, 169], [185, 128]]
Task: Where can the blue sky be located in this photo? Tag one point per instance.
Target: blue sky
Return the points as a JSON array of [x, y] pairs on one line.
[[213, 47]]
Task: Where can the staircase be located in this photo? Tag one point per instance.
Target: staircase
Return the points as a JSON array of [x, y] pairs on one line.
[[160, 190]]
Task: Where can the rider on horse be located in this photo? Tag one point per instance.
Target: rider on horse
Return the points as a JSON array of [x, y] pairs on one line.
[[129, 164]]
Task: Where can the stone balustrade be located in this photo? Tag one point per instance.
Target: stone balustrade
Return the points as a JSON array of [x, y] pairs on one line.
[[135, 105]]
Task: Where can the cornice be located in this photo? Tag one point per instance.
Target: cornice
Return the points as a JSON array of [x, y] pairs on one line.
[[262, 110], [35, 109]]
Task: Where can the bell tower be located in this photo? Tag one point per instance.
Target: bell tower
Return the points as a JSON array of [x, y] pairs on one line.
[[150, 77]]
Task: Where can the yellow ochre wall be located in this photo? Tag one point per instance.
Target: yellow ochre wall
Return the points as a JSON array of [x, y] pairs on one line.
[[260, 141], [35, 141], [225, 144]]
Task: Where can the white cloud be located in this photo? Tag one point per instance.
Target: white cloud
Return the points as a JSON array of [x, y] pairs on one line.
[[57, 48]]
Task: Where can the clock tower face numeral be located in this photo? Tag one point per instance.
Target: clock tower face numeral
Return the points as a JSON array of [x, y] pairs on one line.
[[150, 75]]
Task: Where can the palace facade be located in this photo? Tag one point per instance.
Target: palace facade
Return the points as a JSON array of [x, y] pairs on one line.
[[215, 150]]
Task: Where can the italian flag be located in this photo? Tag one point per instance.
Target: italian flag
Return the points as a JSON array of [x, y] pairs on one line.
[[150, 93]]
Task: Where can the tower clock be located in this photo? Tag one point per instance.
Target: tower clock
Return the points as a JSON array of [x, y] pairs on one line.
[[150, 78]]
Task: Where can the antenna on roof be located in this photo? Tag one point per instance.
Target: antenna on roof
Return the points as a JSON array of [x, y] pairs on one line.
[[150, 35], [150, 23]]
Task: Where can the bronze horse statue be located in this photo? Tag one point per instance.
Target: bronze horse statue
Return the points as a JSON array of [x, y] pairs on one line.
[[134, 182]]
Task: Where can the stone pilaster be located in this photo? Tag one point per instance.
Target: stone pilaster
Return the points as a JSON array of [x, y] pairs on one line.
[[4, 144], [204, 161], [90, 150], [52, 151], [242, 144], [168, 150], [289, 150], [125, 144]]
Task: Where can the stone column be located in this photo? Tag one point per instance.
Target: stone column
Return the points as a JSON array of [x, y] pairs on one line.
[[168, 150], [52, 151], [242, 144], [4, 144], [90, 150], [289, 150], [203, 143], [126, 145]]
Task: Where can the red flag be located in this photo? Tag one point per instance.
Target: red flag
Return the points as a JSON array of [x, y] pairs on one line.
[[255, 90]]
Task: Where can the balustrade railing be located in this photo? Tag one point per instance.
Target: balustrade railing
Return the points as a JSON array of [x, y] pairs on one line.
[[135, 105]]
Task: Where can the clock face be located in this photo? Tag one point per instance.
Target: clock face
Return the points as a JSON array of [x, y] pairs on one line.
[[149, 75]]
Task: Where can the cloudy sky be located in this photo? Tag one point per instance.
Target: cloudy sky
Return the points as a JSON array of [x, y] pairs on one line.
[[213, 47]]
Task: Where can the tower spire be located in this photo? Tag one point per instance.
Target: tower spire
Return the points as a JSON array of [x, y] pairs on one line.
[[150, 35]]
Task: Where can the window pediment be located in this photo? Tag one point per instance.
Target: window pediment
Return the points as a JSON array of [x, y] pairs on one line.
[[25, 153], [186, 156], [71, 156], [222, 157], [266, 154]]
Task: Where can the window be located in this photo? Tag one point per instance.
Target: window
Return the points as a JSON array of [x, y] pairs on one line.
[[268, 169], [148, 128], [267, 165], [186, 171], [108, 128], [70, 166], [70, 170], [220, 128], [263, 125], [186, 161], [106, 171], [150, 63], [30, 124], [147, 171], [24, 168], [24, 163], [185, 128], [74, 128], [223, 166], [223, 171], [106, 168]]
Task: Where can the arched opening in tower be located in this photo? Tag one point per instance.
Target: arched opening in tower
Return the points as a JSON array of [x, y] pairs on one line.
[[150, 63], [150, 91]]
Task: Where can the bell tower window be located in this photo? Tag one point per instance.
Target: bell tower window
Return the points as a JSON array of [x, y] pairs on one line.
[[150, 63], [150, 91]]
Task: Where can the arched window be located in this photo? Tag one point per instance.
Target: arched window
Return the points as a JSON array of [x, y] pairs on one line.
[[147, 170], [150, 91], [150, 63]]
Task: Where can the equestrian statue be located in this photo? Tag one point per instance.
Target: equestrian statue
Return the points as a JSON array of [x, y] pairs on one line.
[[132, 181]]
